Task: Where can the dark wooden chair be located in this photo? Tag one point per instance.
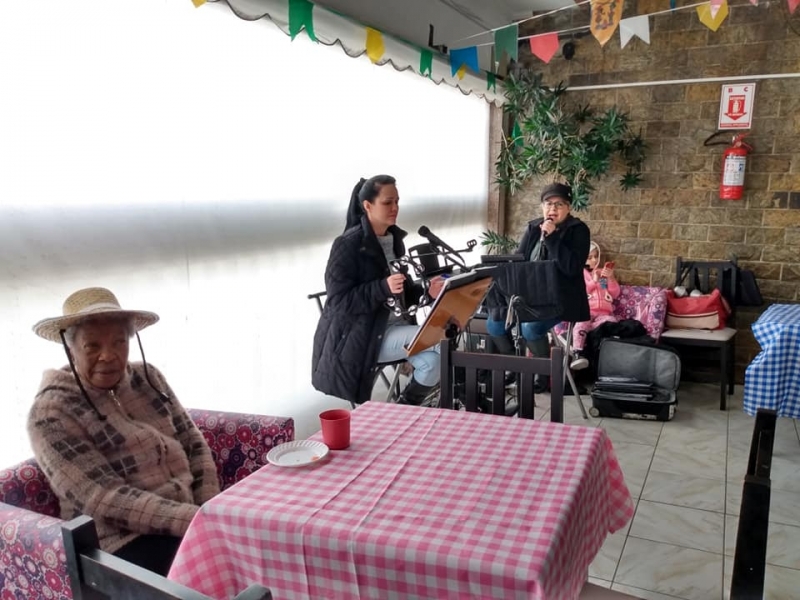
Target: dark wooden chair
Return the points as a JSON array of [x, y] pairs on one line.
[[750, 555], [498, 364], [705, 276], [98, 575]]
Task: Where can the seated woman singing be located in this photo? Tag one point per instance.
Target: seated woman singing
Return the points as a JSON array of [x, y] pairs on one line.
[[357, 330], [112, 438]]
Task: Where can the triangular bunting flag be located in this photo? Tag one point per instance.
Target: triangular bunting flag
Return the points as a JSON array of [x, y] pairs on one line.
[[792, 5], [464, 57], [462, 70], [715, 4], [754, 2], [713, 23], [198, 3], [375, 47], [544, 46], [505, 40], [301, 15], [672, 4], [426, 62], [605, 18], [634, 26], [491, 82]]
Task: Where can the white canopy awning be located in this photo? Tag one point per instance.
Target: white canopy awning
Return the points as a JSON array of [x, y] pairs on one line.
[[333, 28]]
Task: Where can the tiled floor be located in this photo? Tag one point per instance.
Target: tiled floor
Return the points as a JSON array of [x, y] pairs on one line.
[[686, 479]]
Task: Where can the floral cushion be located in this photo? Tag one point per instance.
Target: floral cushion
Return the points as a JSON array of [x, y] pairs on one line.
[[25, 485], [32, 559], [240, 442], [648, 305], [645, 304]]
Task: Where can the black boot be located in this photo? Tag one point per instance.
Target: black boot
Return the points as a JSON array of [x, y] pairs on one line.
[[502, 345], [415, 393], [541, 349]]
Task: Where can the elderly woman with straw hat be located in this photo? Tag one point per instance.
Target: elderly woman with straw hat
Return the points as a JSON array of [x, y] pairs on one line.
[[113, 439]]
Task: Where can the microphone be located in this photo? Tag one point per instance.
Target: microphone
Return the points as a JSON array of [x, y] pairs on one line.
[[436, 241], [544, 233]]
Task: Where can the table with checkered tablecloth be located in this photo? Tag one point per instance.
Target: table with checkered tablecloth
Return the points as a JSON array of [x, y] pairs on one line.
[[426, 503], [772, 379]]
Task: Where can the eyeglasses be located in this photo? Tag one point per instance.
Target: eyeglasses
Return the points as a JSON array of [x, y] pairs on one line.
[[556, 205]]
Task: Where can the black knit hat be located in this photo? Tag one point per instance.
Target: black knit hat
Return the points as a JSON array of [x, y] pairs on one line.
[[558, 190]]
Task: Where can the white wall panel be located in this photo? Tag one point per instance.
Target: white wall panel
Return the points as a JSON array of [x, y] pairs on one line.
[[200, 166]]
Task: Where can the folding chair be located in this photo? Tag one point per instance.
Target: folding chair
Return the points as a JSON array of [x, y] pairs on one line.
[[564, 341], [393, 385], [98, 575]]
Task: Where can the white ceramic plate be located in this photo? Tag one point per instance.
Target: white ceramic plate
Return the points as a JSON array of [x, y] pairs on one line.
[[297, 454]]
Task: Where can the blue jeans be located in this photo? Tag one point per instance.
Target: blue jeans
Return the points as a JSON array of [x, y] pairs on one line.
[[426, 363], [531, 330]]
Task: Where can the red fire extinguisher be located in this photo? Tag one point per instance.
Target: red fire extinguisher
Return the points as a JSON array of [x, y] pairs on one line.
[[734, 161]]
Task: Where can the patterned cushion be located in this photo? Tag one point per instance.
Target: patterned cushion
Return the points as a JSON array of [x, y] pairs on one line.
[[240, 442], [645, 304], [25, 485], [32, 559]]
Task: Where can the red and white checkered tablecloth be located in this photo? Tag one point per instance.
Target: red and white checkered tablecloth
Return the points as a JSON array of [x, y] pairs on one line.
[[425, 503]]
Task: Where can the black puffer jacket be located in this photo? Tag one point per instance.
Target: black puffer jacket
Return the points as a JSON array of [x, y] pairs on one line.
[[353, 321], [568, 246]]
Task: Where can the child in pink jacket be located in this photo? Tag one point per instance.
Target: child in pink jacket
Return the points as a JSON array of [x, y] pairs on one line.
[[602, 288]]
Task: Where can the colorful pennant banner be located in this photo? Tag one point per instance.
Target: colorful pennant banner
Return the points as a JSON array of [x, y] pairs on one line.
[[634, 26], [715, 4], [606, 15], [506, 41], [793, 4], [198, 3], [425, 62], [375, 47], [544, 46], [301, 16], [464, 57], [712, 22], [491, 81]]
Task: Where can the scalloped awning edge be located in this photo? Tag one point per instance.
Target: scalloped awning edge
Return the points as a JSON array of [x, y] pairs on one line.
[[331, 28]]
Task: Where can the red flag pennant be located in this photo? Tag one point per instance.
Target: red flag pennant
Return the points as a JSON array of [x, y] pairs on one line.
[[545, 46], [793, 4], [715, 6]]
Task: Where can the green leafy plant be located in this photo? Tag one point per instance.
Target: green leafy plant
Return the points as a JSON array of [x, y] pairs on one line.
[[497, 243], [574, 145]]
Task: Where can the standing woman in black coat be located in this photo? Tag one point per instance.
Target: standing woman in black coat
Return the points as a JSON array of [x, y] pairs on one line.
[[357, 329]]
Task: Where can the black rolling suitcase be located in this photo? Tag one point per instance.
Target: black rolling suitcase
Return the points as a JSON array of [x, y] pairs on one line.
[[636, 381]]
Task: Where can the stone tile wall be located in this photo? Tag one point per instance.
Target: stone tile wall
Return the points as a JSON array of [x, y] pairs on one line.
[[677, 212]]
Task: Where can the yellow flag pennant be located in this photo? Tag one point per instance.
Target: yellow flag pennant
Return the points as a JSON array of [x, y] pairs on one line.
[[712, 22], [375, 47], [606, 15], [198, 3], [462, 70]]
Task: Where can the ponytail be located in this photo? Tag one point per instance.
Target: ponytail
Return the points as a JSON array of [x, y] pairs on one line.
[[355, 210]]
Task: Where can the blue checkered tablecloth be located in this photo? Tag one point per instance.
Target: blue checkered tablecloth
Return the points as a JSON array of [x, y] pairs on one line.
[[772, 380]]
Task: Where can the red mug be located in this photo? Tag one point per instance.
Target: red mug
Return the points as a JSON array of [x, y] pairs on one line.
[[336, 428]]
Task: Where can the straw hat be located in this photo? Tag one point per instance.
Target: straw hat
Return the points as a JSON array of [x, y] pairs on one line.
[[86, 304]]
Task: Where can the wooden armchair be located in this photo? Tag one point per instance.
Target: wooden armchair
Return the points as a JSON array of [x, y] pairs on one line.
[[704, 276], [98, 575], [498, 364]]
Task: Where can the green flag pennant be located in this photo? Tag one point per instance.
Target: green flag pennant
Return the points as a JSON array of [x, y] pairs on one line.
[[505, 40], [301, 16], [491, 81], [426, 62]]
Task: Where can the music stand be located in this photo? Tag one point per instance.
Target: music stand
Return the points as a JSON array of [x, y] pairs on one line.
[[452, 310]]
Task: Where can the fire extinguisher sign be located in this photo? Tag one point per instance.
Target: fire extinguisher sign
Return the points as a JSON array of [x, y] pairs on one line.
[[736, 106]]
